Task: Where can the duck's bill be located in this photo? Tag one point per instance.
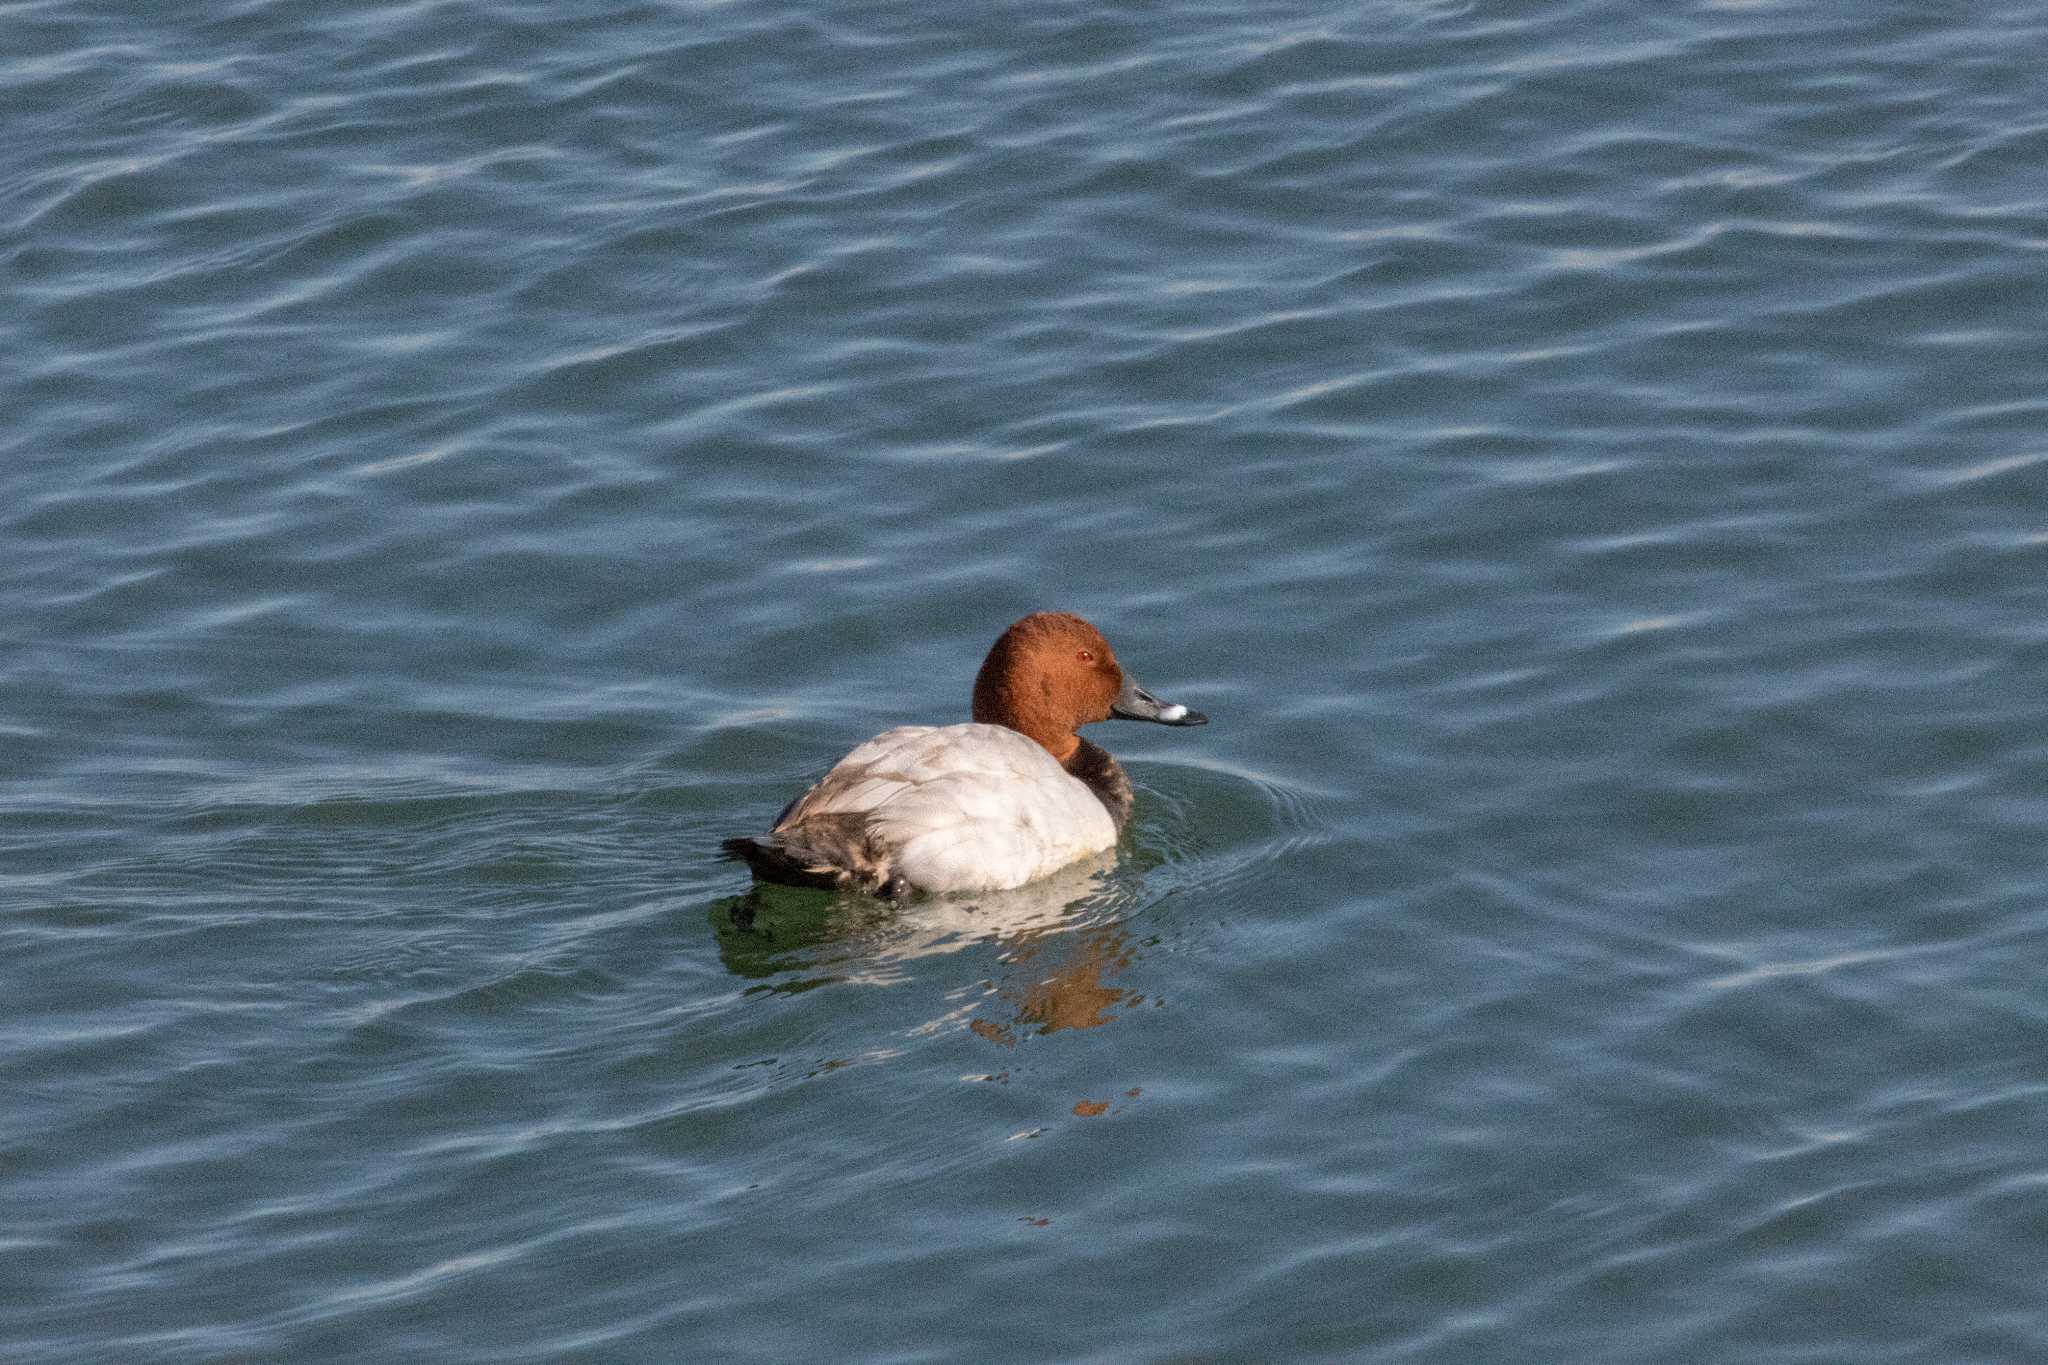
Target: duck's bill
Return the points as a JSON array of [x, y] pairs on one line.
[[1135, 703]]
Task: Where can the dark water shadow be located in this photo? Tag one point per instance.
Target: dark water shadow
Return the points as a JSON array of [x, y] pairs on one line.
[[1051, 956]]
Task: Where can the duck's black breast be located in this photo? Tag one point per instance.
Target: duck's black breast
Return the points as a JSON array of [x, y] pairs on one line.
[[1105, 777]]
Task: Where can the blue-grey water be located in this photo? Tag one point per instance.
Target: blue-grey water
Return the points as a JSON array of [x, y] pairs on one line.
[[461, 460]]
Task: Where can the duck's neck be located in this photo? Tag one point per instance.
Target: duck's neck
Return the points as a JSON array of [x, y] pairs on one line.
[[1101, 774]]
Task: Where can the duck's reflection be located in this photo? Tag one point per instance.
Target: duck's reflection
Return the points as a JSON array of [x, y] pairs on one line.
[[1061, 981], [1060, 951]]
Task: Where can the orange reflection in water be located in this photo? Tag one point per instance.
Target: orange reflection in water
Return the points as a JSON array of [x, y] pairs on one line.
[[1060, 981]]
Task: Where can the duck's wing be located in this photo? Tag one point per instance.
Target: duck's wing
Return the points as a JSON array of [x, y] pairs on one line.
[[994, 811], [947, 808], [820, 838]]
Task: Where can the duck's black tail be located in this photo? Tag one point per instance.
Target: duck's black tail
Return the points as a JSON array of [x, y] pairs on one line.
[[771, 862]]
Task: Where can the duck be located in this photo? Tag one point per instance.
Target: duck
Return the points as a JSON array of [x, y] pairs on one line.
[[990, 805]]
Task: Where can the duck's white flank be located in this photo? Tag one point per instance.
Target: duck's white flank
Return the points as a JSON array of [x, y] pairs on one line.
[[965, 807]]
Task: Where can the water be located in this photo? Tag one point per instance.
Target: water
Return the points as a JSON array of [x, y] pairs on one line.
[[464, 460]]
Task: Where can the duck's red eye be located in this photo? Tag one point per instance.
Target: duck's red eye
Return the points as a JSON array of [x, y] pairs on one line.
[[1086, 657]]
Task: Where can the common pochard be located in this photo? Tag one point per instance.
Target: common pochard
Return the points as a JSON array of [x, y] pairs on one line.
[[980, 807]]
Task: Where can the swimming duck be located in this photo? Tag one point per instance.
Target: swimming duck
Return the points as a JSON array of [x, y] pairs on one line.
[[979, 807]]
